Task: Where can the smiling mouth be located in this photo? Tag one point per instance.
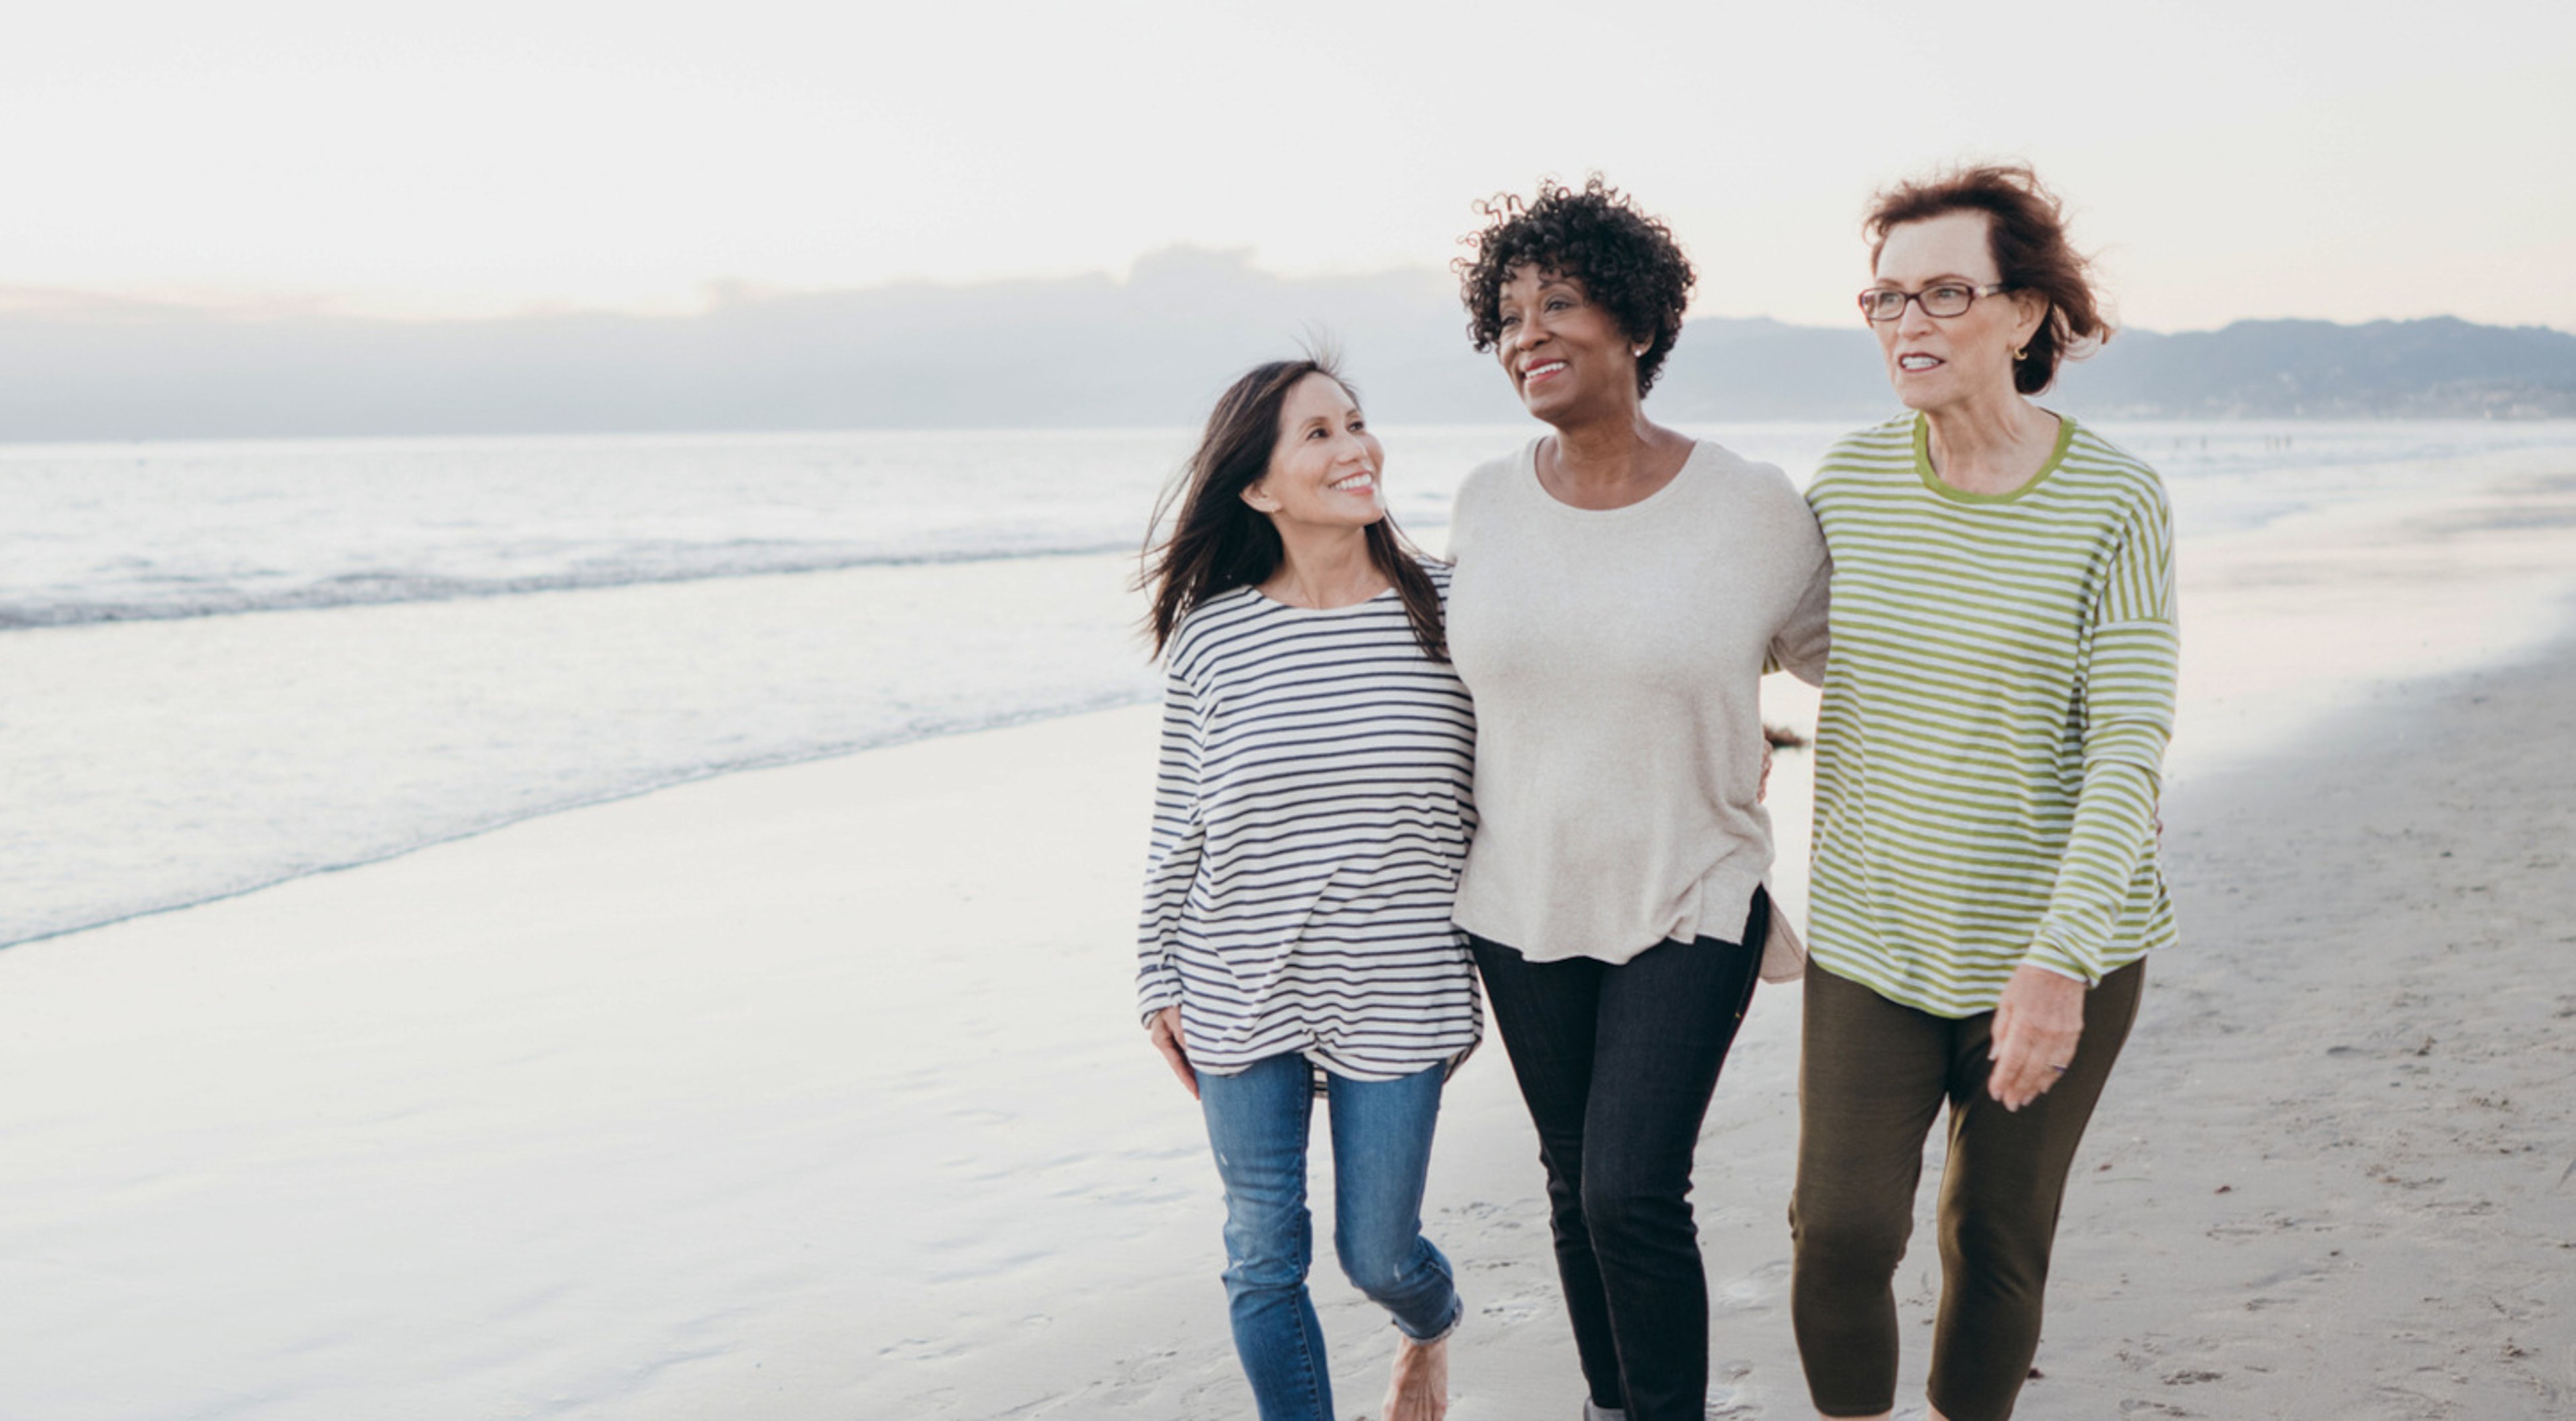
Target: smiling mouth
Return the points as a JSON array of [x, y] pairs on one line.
[[1541, 371], [1916, 363], [1356, 483]]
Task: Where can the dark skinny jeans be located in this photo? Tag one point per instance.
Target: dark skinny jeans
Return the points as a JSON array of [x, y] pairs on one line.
[[1617, 1064], [1873, 1076]]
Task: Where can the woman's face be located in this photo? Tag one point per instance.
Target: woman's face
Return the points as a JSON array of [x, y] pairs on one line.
[[1941, 362], [1565, 356], [1324, 469]]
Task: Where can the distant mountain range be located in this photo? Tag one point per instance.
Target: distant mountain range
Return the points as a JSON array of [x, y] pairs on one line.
[[1093, 351], [2441, 367]]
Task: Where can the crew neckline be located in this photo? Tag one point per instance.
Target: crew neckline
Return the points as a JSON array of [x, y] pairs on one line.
[[1265, 598], [1932, 479], [1529, 473]]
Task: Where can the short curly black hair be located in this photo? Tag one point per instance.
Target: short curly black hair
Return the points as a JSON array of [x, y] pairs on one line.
[[1627, 261]]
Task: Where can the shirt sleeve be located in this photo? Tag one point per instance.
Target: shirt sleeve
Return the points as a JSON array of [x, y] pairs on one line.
[[1800, 645], [1467, 816], [2129, 663], [1172, 861]]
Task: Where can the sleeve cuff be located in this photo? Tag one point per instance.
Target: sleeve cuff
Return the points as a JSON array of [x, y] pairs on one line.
[[1152, 997], [2050, 956]]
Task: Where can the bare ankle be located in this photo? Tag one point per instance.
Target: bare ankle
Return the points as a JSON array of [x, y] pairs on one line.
[[1418, 1389]]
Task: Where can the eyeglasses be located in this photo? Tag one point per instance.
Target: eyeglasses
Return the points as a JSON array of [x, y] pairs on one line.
[[1943, 299]]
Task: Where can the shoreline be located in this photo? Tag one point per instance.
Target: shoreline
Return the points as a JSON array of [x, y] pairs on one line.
[[894, 740], [176, 762], [148, 798]]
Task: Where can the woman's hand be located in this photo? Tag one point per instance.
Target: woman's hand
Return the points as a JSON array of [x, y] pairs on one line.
[[1165, 1032], [2036, 1025]]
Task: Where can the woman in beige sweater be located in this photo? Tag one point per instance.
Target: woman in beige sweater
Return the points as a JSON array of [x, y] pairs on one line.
[[1619, 589]]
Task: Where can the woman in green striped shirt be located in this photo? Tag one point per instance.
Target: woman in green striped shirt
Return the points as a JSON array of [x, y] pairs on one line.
[[1986, 881]]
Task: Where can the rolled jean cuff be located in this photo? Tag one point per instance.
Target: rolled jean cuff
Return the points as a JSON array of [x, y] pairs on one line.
[[1457, 1315]]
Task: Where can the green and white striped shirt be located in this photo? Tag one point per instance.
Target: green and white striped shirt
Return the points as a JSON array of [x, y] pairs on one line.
[[1995, 715]]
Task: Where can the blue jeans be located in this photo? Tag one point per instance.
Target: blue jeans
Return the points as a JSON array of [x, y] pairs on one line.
[[1257, 1122]]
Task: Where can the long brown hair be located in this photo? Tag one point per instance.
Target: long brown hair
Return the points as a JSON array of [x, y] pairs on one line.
[[1219, 542]]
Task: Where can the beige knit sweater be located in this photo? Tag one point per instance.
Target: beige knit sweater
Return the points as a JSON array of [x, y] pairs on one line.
[[1614, 657]]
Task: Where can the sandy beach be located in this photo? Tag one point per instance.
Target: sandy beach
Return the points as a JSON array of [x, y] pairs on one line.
[[2332, 1178], [815, 1091]]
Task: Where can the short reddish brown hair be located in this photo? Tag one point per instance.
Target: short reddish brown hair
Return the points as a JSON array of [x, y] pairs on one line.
[[2026, 232]]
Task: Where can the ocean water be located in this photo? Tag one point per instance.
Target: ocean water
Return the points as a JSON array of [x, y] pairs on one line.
[[222, 665], [127, 532]]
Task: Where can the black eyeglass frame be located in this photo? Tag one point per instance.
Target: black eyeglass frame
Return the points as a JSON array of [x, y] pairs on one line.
[[1865, 299]]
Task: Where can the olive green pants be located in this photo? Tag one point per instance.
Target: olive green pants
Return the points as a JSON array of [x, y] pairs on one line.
[[1872, 1077]]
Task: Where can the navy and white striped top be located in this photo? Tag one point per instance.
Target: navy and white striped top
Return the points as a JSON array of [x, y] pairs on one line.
[[1310, 817]]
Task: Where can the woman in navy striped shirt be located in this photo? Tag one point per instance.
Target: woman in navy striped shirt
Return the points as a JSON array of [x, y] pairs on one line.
[[1310, 816]]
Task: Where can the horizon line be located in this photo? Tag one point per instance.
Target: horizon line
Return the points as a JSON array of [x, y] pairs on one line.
[[717, 297]]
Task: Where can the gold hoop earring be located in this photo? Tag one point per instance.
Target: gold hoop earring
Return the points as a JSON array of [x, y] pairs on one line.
[[2018, 354]]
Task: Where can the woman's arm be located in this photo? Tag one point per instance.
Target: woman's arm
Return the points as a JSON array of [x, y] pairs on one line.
[[1172, 861], [2128, 698], [1800, 646]]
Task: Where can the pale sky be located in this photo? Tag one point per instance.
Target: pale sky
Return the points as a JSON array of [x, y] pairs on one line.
[[2227, 158]]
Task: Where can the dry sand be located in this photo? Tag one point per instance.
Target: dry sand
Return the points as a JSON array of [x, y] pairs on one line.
[[2333, 1176]]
